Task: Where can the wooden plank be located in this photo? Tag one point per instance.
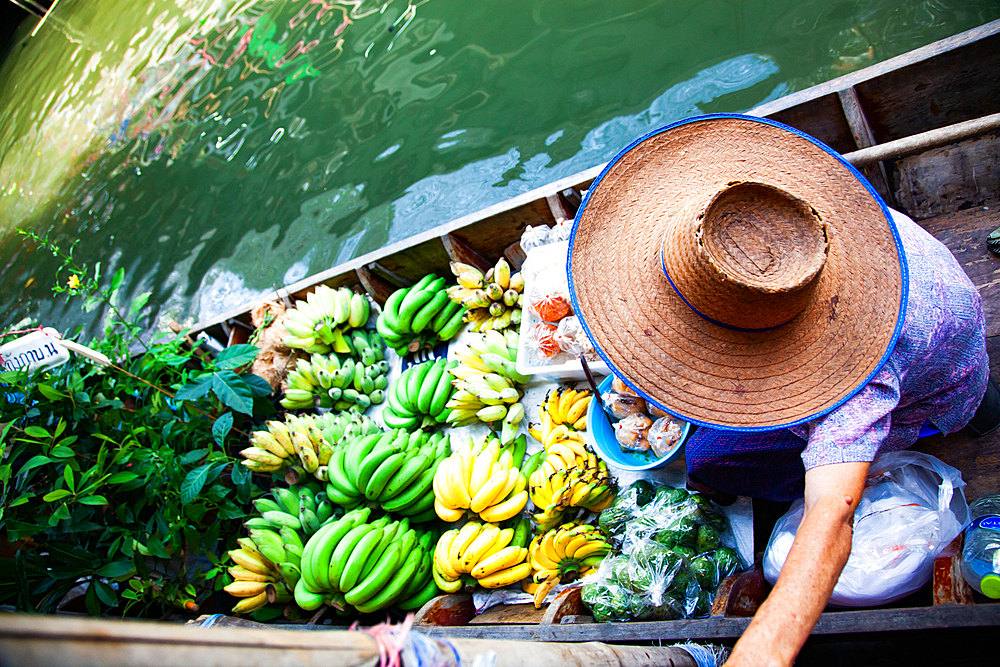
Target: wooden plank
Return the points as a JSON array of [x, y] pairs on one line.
[[568, 603], [965, 232], [460, 250], [830, 623], [957, 43], [49, 640], [949, 586], [949, 179], [517, 614], [446, 610], [378, 288], [854, 113]]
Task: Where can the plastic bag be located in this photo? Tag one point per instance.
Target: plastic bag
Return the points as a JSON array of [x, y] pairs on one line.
[[534, 237], [671, 551], [571, 338], [912, 507], [631, 432], [621, 406], [539, 343], [664, 435]]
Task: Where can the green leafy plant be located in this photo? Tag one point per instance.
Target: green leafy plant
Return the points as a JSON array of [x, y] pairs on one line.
[[121, 479]]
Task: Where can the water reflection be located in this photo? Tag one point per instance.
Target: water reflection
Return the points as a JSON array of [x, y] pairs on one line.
[[218, 149]]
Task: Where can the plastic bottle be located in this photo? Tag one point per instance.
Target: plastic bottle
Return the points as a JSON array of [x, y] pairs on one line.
[[981, 555]]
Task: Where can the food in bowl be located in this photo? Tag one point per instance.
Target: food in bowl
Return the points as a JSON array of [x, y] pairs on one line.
[[639, 427]]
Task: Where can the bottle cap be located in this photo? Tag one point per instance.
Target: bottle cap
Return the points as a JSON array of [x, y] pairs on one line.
[[990, 585]]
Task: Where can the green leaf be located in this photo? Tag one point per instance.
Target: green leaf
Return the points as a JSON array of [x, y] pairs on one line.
[[138, 303], [106, 594], [93, 605], [156, 548], [60, 427], [236, 356], [37, 431], [193, 483], [61, 513], [195, 389], [121, 477], [192, 456], [70, 480], [28, 496], [233, 391], [60, 452], [116, 569], [257, 384], [50, 393], [116, 281], [34, 462], [221, 428], [55, 495], [93, 500]]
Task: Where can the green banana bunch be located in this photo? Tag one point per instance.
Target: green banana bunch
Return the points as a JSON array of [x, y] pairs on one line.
[[337, 427], [420, 316], [486, 382], [419, 397], [393, 470], [303, 508], [366, 565], [341, 383], [318, 323], [492, 301]]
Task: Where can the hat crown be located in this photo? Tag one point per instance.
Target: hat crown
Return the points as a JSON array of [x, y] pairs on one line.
[[749, 258]]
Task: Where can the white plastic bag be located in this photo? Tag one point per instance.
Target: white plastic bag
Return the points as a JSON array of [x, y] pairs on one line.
[[912, 507]]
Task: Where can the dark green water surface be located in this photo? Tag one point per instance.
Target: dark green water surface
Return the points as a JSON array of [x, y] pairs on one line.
[[217, 150]]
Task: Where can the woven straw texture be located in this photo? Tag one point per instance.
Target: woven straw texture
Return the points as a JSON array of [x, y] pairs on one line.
[[708, 373]]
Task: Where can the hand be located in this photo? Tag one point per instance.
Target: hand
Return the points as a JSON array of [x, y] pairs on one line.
[[819, 553]]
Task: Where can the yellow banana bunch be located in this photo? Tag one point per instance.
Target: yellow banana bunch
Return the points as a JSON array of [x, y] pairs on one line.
[[253, 574], [297, 439], [492, 556], [570, 476], [562, 415], [563, 554], [483, 477], [493, 300]]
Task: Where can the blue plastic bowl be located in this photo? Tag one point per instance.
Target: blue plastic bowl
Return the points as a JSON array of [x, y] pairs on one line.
[[602, 437]]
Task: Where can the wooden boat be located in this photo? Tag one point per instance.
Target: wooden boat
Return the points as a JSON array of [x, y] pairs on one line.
[[923, 127]]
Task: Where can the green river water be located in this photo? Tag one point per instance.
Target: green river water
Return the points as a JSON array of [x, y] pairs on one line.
[[216, 150]]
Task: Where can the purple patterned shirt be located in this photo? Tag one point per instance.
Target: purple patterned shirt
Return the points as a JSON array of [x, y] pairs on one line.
[[937, 371]]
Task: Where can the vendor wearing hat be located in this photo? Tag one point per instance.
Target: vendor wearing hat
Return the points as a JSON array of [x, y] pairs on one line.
[[741, 275]]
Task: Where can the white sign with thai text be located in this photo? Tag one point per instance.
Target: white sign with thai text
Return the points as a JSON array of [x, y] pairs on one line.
[[34, 351]]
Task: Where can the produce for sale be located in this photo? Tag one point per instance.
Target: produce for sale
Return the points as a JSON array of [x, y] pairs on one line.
[[670, 556], [492, 301], [562, 416], [570, 476], [482, 553], [419, 397], [297, 440], [259, 578], [368, 566], [420, 316], [486, 384], [338, 426], [563, 554], [639, 427], [394, 471], [340, 383], [318, 323], [303, 508], [483, 477]]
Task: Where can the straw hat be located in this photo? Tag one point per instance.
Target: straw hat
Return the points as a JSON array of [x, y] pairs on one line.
[[737, 273]]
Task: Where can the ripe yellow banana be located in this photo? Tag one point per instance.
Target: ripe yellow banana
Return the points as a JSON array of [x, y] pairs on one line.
[[441, 560], [245, 589], [506, 577], [506, 509], [445, 513], [503, 559], [544, 589], [248, 604], [489, 491]]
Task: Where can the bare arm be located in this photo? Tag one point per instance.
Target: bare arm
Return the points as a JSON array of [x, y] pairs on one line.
[[819, 553]]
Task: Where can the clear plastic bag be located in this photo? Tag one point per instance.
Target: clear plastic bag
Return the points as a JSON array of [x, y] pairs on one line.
[[539, 344], [664, 435], [631, 432], [572, 339], [672, 548], [912, 507], [621, 406], [534, 237]]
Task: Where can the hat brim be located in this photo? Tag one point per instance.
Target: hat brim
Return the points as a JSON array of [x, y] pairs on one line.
[[698, 370]]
